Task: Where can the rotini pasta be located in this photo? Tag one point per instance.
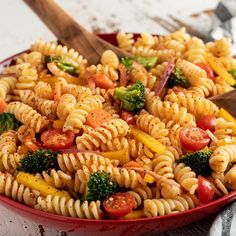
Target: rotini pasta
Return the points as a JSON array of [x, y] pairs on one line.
[[76, 126], [27, 115]]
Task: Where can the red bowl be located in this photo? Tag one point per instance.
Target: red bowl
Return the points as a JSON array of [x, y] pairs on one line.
[[116, 227]]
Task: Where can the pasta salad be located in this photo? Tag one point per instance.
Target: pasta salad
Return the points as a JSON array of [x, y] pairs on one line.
[[128, 138]]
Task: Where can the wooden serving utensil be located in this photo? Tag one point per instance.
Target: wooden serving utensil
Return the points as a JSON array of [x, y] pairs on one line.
[[70, 33], [73, 35], [226, 101]]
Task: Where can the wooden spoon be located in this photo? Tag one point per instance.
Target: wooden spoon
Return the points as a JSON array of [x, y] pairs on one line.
[[73, 35], [70, 33]]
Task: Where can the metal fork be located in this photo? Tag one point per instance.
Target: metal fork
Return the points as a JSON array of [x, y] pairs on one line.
[[171, 27]]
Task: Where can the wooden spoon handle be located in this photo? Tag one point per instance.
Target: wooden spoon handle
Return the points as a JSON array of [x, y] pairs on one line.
[[69, 32]]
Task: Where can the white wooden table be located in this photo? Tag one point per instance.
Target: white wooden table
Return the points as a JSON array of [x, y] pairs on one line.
[[19, 27]]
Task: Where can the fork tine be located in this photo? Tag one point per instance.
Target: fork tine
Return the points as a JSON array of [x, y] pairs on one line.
[[188, 27], [170, 27]]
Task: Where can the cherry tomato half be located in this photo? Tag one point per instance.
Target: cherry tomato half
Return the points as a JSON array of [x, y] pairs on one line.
[[205, 190], [128, 117], [193, 138], [56, 139], [209, 71], [207, 122], [119, 204]]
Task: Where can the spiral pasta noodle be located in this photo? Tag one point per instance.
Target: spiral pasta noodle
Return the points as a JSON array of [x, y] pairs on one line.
[[230, 178], [26, 79], [18, 192], [105, 69], [7, 85], [69, 162], [110, 59], [194, 103], [222, 156], [125, 41], [92, 138], [43, 90], [186, 177], [168, 111], [54, 178], [151, 125], [160, 207], [57, 50], [66, 105], [45, 107], [140, 194], [71, 207], [11, 161], [195, 50], [162, 164], [77, 117], [27, 115]]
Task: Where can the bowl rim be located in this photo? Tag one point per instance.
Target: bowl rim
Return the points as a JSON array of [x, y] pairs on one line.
[[68, 219], [59, 218]]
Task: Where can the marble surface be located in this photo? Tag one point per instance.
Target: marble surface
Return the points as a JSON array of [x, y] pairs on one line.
[[19, 27]]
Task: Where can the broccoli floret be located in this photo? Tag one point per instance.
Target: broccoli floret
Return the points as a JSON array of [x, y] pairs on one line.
[[38, 161], [127, 62], [132, 98], [8, 122], [147, 62], [198, 161], [177, 78], [63, 64], [100, 186]]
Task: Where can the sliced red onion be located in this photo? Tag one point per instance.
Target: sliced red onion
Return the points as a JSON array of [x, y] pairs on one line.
[[169, 68]]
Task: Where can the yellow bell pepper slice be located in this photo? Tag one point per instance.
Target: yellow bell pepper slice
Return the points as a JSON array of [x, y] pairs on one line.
[[219, 69], [42, 186], [58, 124], [134, 215], [149, 179], [121, 155], [228, 117], [148, 140]]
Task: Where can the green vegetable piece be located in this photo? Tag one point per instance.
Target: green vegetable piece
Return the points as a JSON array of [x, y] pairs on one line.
[[69, 68], [147, 62], [63, 65], [177, 78], [49, 59], [198, 161], [38, 161], [233, 73], [8, 122], [132, 98], [100, 186], [127, 62]]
